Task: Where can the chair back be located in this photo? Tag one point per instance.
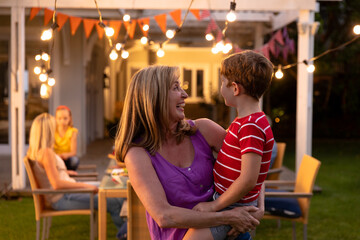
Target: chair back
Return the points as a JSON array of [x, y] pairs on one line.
[[278, 162], [39, 200], [137, 225], [305, 181]]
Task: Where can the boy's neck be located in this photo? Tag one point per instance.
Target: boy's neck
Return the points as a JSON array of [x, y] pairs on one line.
[[246, 106]]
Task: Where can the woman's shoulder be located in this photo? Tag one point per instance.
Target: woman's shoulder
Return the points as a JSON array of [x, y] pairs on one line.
[[137, 154]]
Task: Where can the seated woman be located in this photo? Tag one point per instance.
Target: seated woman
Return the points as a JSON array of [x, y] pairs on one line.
[[66, 137], [50, 172], [169, 159]]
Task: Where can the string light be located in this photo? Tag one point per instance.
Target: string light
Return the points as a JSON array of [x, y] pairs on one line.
[[209, 37], [124, 54], [231, 16], [170, 34], [357, 29], [113, 55], [214, 50], [146, 27], [279, 74], [118, 46], [144, 40], [44, 91], [109, 31], [310, 68], [126, 18], [160, 53], [38, 57], [37, 70], [227, 48], [48, 33], [43, 77], [51, 82], [45, 57]]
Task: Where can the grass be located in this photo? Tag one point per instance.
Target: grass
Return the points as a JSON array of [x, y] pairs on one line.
[[334, 213]]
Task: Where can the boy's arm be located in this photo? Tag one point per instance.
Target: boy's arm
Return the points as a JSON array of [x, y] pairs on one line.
[[250, 168]]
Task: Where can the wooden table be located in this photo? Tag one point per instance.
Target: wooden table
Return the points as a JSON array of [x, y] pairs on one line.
[[108, 189]]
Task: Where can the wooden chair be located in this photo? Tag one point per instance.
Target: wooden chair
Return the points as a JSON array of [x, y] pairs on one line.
[[45, 213], [137, 226], [303, 192], [276, 169]]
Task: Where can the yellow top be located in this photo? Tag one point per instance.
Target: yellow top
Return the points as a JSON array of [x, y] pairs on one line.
[[63, 144]]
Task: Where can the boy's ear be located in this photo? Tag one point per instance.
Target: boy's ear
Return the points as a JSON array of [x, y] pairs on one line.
[[237, 88]]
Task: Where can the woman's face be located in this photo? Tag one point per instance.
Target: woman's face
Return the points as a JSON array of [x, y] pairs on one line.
[[177, 97], [62, 118]]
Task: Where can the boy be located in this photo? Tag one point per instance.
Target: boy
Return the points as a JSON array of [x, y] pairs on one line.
[[244, 158]]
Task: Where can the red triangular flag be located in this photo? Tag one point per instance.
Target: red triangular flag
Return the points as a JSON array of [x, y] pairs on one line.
[[48, 14], [265, 51], [279, 38], [196, 13], [116, 25], [88, 26], [74, 24], [33, 13], [61, 20], [100, 30], [176, 16], [272, 46], [204, 14], [142, 22], [161, 21]]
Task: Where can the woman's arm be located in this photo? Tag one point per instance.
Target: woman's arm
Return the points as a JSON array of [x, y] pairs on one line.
[[48, 160], [151, 193], [213, 133]]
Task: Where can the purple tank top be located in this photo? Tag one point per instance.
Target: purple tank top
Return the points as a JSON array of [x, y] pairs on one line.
[[184, 187]]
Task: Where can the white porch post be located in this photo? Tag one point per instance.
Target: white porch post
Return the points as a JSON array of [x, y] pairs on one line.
[[17, 119], [304, 87]]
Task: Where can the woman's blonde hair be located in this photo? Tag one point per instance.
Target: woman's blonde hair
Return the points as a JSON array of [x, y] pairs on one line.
[[145, 116], [42, 134]]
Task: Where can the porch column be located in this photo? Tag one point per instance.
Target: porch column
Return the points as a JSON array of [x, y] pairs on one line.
[[304, 86], [17, 104]]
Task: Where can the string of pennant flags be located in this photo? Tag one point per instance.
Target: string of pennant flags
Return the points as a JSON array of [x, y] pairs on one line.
[[279, 43]]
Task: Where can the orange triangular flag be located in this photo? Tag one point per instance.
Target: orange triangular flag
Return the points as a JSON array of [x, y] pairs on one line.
[[131, 29], [116, 25], [61, 20], [161, 21], [33, 13], [88, 26], [48, 14], [142, 22], [74, 24], [176, 16], [196, 13], [100, 30]]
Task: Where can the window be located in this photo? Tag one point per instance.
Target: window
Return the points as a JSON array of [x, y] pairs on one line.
[[194, 82]]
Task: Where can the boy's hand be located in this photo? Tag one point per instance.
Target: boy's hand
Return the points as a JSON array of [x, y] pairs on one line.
[[205, 207]]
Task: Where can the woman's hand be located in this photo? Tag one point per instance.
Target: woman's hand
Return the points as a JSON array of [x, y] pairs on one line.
[[242, 220]]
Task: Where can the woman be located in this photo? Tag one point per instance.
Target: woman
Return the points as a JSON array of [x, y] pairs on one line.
[[169, 160], [50, 172]]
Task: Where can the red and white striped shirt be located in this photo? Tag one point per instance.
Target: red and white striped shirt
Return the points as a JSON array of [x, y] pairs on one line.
[[248, 134]]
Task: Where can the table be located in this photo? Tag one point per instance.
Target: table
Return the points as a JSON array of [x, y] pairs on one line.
[[108, 189]]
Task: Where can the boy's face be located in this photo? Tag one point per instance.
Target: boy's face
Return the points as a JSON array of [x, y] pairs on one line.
[[226, 92]]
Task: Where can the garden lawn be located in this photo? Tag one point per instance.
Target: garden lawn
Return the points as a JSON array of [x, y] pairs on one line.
[[334, 213]]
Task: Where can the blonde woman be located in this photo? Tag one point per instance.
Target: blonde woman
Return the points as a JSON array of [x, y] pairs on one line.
[[169, 159], [50, 172]]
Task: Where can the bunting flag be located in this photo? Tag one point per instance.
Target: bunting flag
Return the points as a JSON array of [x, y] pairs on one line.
[[100, 30], [176, 16], [209, 28], [74, 24], [48, 14], [272, 46], [213, 24], [265, 51], [285, 51], [61, 20], [196, 13], [131, 29], [219, 36], [237, 49], [292, 46], [277, 50], [279, 38], [142, 22], [116, 25], [88, 26], [161, 21], [204, 14], [33, 13]]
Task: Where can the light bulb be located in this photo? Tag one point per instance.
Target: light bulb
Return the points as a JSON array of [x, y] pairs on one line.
[[118, 46], [231, 16], [214, 50], [51, 82], [227, 48], [170, 34], [145, 27], [109, 31], [113, 55], [44, 91], [126, 17], [37, 70], [38, 57], [144, 40], [47, 34], [357, 29], [160, 52], [209, 37], [310, 68], [279, 74], [124, 54], [220, 46], [43, 77], [45, 57]]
